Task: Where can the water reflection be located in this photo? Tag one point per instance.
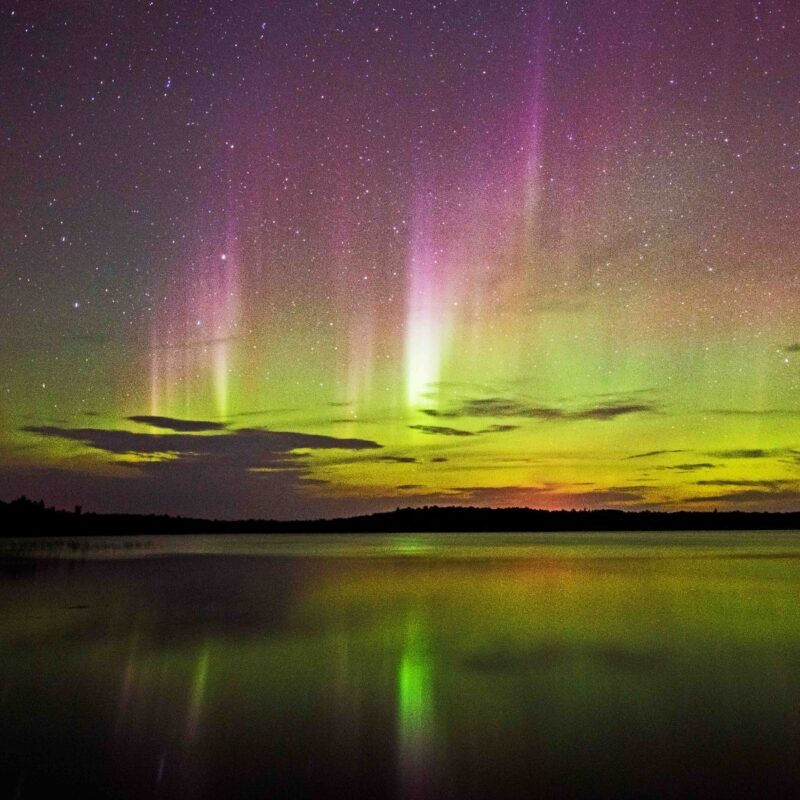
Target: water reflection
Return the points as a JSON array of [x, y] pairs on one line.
[[415, 713], [400, 668], [198, 694]]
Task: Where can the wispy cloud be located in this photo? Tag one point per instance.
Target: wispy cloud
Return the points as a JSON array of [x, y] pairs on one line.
[[183, 425], [652, 454], [370, 459], [499, 429], [444, 430], [612, 411], [755, 453], [688, 467], [773, 485], [441, 430], [549, 495], [782, 499], [497, 407]]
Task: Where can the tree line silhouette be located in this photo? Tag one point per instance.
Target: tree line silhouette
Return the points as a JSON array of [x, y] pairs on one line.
[[24, 517]]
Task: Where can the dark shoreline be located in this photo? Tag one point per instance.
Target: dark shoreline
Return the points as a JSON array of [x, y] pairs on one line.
[[27, 518]]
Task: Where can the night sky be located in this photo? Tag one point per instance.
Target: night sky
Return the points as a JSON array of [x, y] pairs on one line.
[[292, 259]]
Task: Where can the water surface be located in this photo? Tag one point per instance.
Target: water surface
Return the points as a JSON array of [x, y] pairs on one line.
[[408, 666]]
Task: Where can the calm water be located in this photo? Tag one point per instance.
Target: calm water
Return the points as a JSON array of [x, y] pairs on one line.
[[407, 666]]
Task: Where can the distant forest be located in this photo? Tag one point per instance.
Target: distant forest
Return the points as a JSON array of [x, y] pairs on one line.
[[24, 517]]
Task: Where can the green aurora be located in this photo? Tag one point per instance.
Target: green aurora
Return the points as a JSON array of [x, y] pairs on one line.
[[451, 256]]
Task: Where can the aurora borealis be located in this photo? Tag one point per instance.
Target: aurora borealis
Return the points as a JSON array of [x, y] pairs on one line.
[[304, 258]]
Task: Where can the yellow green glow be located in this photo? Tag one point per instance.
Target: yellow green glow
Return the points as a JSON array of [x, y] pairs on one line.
[[707, 396]]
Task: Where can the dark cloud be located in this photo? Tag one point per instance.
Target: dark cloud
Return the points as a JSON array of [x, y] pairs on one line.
[[406, 486], [183, 425], [499, 429], [439, 460], [504, 407], [441, 430], [602, 497], [550, 495], [652, 453], [448, 431], [758, 453], [619, 396], [773, 485], [233, 474], [370, 459], [755, 453], [249, 447], [688, 467], [783, 500], [496, 407], [612, 411]]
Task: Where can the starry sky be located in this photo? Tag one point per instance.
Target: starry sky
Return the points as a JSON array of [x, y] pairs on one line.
[[292, 259]]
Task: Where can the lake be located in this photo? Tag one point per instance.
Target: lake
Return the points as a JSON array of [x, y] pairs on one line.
[[406, 666]]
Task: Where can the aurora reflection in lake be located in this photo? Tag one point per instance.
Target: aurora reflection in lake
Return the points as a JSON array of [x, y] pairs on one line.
[[408, 666]]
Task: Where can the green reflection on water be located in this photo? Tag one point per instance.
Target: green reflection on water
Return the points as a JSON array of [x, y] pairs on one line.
[[474, 666], [415, 688], [198, 693]]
